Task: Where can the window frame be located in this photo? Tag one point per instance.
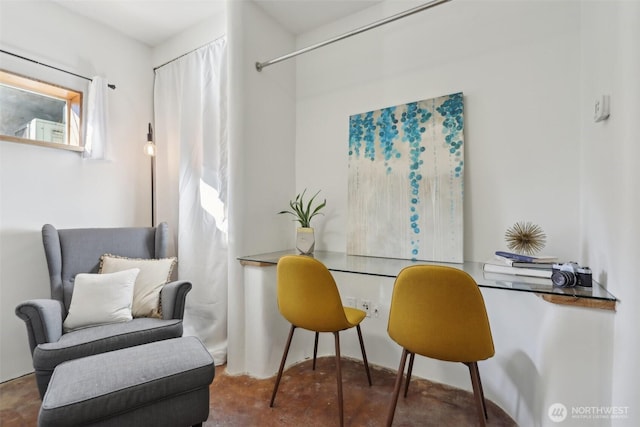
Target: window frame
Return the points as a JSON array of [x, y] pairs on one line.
[[73, 104]]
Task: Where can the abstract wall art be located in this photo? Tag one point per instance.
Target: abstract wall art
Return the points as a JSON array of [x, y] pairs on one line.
[[406, 181]]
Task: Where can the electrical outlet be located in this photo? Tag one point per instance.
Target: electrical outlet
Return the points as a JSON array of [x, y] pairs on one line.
[[365, 305], [376, 311], [351, 302]]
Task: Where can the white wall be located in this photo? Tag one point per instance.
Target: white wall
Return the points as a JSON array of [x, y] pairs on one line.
[[197, 36], [521, 109], [529, 72], [610, 200], [527, 114], [262, 134], [43, 185]]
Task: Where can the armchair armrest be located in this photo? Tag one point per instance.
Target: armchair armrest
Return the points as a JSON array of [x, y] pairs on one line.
[[44, 320], [173, 297]]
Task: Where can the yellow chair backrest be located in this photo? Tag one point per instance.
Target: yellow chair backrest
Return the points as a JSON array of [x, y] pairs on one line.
[[439, 312], [308, 296]]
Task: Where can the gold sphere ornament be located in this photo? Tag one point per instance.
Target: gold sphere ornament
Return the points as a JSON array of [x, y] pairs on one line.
[[525, 238]]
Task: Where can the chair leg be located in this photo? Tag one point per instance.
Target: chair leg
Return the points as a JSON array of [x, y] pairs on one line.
[[409, 371], [478, 394], [284, 359], [339, 378], [396, 388], [364, 354], [315, 350], [484, 402]]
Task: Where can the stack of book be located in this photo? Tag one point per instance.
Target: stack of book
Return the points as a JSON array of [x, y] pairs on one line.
[[520, 265]]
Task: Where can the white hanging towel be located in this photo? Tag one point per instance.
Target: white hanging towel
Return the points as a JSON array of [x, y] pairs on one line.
[[96, 135]]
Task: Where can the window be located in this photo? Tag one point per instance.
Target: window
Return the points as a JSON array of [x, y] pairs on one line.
[[40, 113]]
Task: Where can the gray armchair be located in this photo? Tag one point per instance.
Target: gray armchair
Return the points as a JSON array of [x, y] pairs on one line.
[[72, 251]]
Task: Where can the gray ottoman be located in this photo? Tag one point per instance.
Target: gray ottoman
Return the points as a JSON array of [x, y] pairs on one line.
[[164, 383]]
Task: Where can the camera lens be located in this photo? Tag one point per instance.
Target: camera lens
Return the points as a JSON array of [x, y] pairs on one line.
[[563, 279]]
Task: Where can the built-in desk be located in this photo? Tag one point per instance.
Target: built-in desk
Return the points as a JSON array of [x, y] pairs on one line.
[[545, 353], [594, 297]]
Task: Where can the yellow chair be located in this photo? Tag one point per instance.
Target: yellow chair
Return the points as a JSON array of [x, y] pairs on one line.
[[308, 298], [439, 312]]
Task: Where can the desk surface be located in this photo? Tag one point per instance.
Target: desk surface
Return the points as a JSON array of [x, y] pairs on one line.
[[594, 297]]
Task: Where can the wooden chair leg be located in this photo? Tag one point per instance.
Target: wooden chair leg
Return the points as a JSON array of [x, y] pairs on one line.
[[478, 394], [484, 402], [339, 378], [364, 354], [396, 388], [315, 350], [284, 359], [409, 371]]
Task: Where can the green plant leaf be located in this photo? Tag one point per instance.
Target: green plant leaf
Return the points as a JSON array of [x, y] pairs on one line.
[[304, 212]]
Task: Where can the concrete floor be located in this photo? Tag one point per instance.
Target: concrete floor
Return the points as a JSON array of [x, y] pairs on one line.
[[305, 398]]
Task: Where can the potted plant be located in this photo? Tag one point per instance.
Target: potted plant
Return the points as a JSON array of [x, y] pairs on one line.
[[303, 212]]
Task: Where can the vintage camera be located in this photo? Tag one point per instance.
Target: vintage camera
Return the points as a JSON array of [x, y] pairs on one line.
[[570, 274]]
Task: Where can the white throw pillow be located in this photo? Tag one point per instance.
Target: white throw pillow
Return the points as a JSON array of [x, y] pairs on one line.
[[101, 298], [154, 273]]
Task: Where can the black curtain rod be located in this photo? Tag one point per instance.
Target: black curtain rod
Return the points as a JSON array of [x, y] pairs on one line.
[[111, 86]]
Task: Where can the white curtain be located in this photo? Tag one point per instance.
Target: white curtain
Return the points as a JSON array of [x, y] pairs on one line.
[[96, 132], [190, 103]]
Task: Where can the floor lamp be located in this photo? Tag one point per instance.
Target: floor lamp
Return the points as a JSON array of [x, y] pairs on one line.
[[150, 150]]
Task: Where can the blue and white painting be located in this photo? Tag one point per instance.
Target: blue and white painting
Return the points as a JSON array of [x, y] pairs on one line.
[[406, 181]]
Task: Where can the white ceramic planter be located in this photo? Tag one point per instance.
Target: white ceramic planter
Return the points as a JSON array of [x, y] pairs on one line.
[[305, 240]]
